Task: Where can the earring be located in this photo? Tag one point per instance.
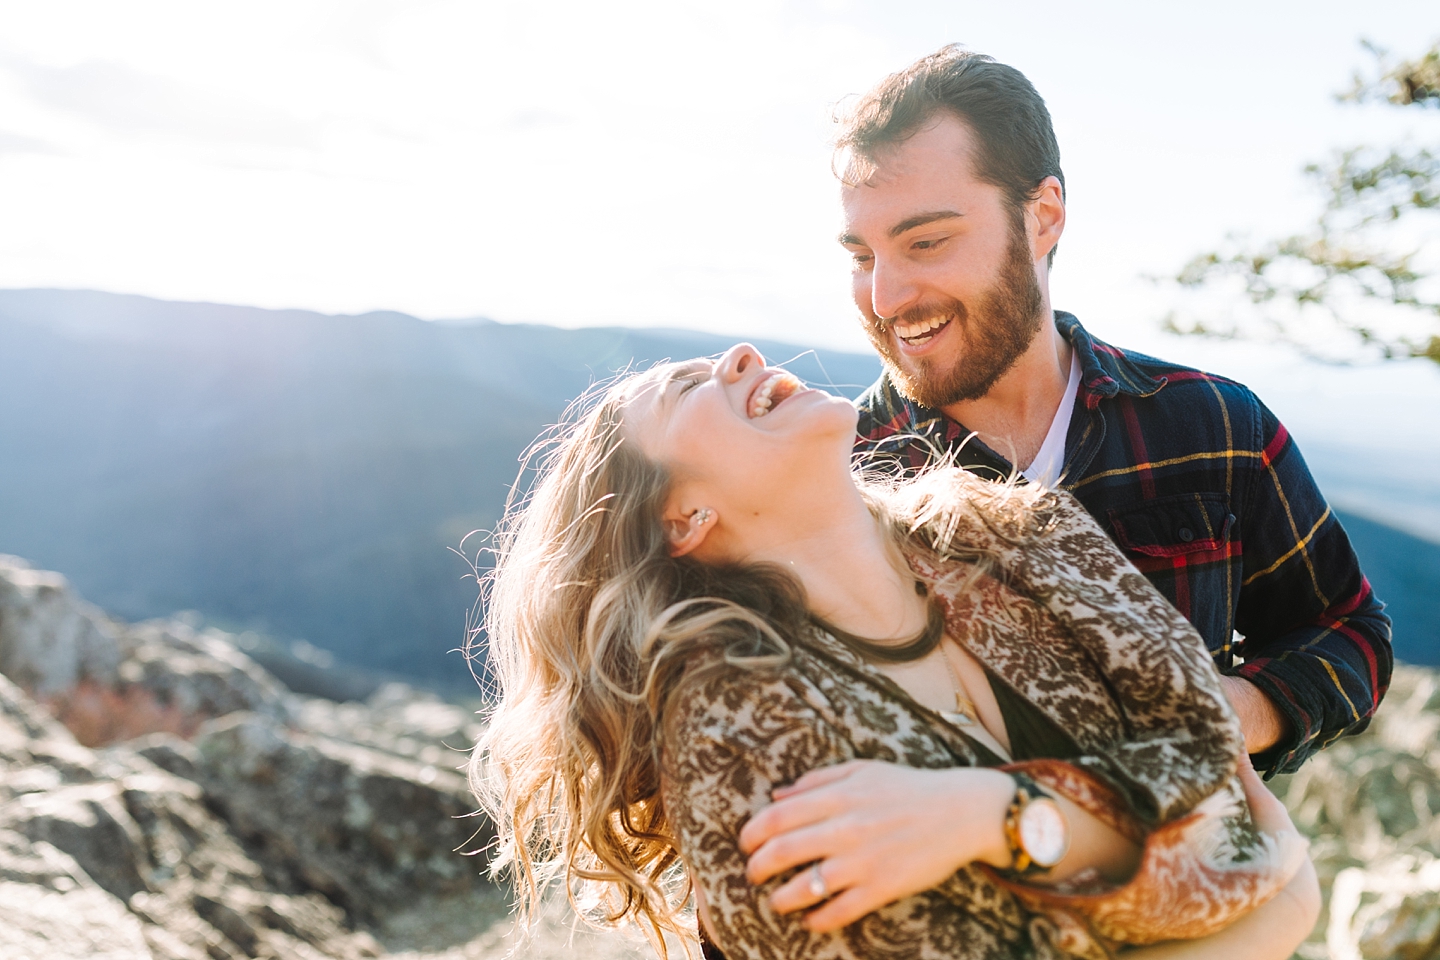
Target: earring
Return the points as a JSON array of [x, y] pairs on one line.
[[702, 516]]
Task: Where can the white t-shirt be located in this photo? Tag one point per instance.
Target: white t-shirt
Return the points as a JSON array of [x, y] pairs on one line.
[[1051, 459]]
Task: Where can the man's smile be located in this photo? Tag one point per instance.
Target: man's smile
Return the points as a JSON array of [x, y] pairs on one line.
[[919, 336], [916, 333]]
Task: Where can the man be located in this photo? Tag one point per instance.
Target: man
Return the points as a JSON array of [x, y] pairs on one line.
[[954, 203]]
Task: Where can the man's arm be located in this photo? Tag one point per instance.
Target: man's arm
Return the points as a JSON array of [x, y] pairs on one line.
[[1260, 720], [1317, 644]]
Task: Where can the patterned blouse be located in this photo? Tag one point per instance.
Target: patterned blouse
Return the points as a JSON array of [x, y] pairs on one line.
[[1072, 628]]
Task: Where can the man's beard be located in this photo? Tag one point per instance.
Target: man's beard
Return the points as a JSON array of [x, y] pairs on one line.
[[995, 334]]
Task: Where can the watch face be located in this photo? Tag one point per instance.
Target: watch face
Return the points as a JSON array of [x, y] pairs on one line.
[[1044, 832]]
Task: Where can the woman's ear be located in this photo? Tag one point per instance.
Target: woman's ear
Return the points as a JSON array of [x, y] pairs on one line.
[[686, 531]]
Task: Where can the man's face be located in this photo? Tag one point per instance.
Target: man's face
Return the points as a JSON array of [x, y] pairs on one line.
[[946, 263]]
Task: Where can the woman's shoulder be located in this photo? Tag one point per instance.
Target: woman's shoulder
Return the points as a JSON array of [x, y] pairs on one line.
[[716, 691], [772, 722], [823, 702]]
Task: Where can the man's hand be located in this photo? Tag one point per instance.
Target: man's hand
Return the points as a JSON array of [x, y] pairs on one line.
[[876, 832], [1260, 720]]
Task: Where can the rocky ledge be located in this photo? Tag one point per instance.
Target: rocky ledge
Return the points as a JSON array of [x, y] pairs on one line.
[[162, 796]]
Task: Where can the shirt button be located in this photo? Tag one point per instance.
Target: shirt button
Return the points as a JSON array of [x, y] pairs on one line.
[[1185, 534]]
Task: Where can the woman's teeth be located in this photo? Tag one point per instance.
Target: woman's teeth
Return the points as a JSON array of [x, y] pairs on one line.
[[775, 388], [920, 332]]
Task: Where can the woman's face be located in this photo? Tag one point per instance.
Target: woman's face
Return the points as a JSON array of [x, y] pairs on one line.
[[738, 437]]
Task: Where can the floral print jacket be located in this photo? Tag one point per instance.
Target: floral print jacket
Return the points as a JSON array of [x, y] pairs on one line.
[[1072, 627]]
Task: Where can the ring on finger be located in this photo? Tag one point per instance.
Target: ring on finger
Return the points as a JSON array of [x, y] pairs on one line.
[[818, 890]]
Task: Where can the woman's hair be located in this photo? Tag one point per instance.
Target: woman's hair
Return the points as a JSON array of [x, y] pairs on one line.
[[589, 623]]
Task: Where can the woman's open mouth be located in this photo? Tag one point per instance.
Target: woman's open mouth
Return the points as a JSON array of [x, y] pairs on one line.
[[922, 332], [771, 391]]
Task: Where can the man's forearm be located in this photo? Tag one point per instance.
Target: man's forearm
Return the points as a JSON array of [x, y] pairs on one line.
[[1260, 720]]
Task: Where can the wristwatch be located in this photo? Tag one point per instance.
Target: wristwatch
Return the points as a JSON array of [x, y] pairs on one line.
[[1035, 829]]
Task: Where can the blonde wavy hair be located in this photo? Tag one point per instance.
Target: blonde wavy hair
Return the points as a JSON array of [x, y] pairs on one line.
[[589, 624]]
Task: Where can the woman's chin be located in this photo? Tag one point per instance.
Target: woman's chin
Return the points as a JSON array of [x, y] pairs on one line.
[[816, 413]]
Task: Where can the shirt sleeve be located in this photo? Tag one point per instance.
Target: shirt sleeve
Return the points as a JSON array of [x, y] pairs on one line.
[[1159, 741], [727, 744], [1316, 639], [1198, 873]]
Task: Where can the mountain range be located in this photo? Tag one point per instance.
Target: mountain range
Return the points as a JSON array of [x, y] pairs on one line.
[[305, 476]]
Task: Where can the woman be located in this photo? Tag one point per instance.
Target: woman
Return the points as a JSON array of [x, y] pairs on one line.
[[699, 605]]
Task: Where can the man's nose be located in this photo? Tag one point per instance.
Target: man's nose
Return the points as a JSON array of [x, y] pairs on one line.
[[892, 288], [737, 361]]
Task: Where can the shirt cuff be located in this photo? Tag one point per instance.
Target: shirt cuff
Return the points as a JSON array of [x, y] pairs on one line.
[[1301, 739], [1197, 874]]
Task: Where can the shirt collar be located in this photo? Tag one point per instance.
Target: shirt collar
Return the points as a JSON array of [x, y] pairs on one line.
[[1105, 370]]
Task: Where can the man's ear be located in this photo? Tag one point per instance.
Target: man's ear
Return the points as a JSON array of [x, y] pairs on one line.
[[1048, 211], [686, 531]]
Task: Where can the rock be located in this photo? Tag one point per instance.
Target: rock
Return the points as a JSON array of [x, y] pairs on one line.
[[36, 753], [371, 830], [108, 855], [1387, 910], [169, 679], [199, 674], [308, 670], [399, 720], [90, 823], [107, 682], [50, 909], [216, 815], [169, 753], [1371, 806], [50, 639], [82, 924]]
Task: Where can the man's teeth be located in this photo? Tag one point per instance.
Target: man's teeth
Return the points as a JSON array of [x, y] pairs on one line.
[[912, 331], [764, 397]]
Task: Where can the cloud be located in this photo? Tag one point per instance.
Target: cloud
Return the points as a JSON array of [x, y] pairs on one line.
[[537, 119], [15, 143], [130, 102]]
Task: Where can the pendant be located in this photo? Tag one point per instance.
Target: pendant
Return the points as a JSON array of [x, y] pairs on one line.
[[958, 718]]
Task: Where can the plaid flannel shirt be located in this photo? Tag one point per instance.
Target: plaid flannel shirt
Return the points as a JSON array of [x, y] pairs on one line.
[[1207, 494]]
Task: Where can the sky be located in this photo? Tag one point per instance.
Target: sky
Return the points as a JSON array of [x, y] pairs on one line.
[[662, 163]]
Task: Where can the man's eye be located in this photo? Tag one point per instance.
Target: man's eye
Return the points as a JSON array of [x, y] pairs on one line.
[[928, 244], [861, 258], [690, 384]]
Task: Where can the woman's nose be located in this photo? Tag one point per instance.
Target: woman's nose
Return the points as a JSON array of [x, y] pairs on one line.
[[739, 360]]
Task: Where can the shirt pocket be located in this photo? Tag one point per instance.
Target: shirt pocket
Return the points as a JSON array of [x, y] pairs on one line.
[[1173, 526]]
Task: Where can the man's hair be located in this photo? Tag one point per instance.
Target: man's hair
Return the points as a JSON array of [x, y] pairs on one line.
[[1016, 141]]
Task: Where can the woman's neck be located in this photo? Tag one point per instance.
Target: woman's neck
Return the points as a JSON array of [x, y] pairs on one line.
[[854, 576]]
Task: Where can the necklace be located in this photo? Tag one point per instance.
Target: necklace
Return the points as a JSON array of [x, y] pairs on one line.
[[965, 714], [924, 642]]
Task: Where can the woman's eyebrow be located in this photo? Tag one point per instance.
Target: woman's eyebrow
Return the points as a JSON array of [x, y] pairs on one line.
[[686, 372], [678, 375]]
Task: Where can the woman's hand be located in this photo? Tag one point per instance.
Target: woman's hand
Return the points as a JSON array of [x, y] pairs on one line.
[[1266, 810], [875, 832]]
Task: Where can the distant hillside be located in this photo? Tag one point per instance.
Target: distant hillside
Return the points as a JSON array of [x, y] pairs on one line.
[[302, 475], [286, 471], [1405, 572]]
